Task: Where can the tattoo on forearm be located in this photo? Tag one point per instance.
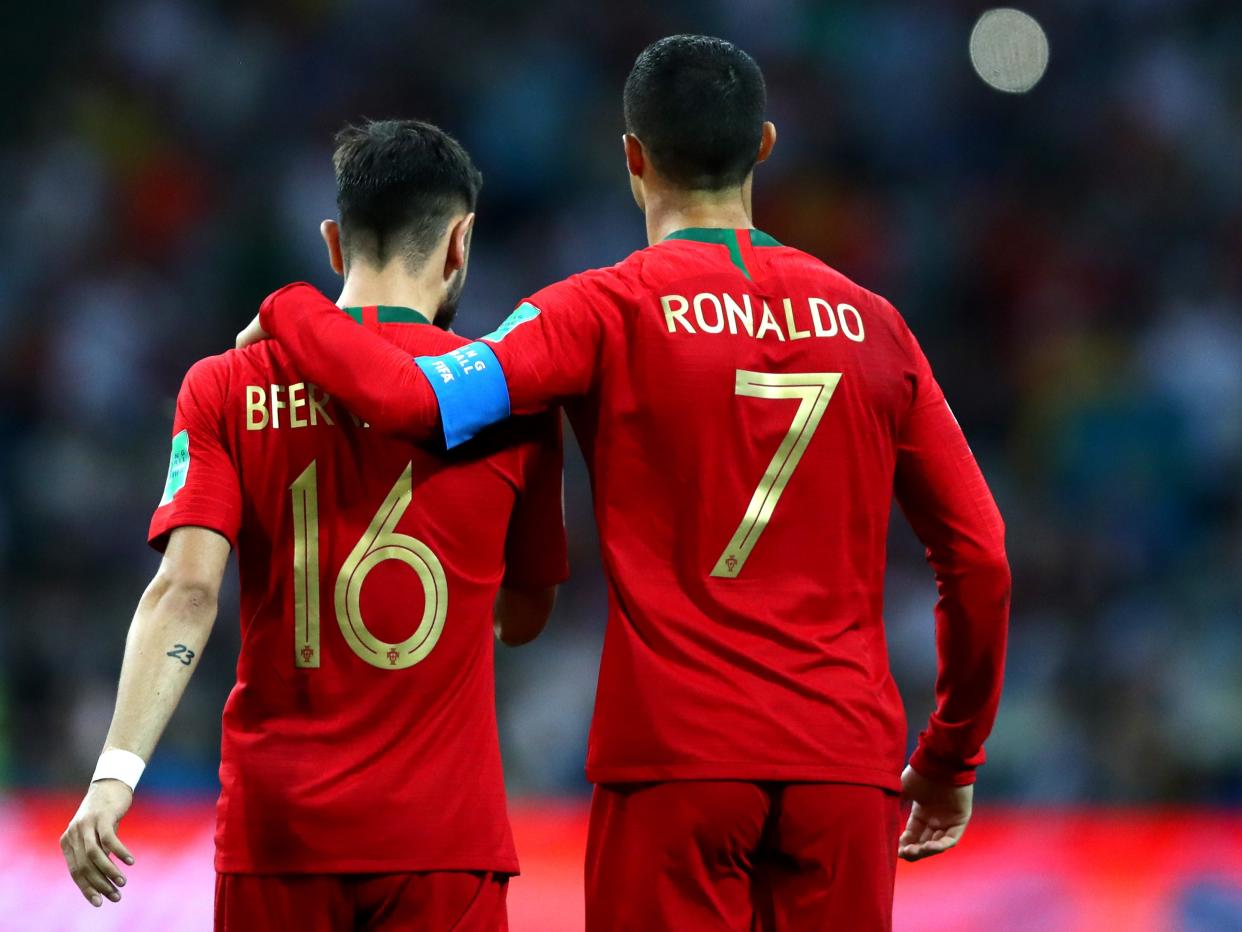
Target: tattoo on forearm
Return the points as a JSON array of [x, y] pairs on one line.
[[182, 653]]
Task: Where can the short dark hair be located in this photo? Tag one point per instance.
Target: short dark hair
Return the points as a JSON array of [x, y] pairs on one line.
[[397, 184], [697, 105]]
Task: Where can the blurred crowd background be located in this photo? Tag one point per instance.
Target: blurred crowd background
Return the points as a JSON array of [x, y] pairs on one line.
[[1070, 258]]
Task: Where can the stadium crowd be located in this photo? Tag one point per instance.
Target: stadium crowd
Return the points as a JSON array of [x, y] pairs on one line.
[[1069, 259]]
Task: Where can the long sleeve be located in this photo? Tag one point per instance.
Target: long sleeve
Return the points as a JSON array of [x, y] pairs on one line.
[[543, 353], [550, 347], [375, 379], [947, 502]]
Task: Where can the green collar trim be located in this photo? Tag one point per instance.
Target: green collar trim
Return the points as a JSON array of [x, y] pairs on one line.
[[722, 236], [759, 238], [388, 314]]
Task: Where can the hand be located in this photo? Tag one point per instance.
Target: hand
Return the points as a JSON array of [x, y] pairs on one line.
[[938, 817], [254, 333], [91, 838]]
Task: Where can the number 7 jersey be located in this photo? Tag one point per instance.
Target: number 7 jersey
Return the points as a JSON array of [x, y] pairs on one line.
[[747, 414], [361, 733]]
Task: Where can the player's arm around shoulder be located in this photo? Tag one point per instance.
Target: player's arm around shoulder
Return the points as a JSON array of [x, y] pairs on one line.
[[169, 631], [552, 348]]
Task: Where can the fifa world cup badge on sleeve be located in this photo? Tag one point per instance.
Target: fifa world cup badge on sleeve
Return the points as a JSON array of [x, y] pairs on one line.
[[521, 314], [178, 467]]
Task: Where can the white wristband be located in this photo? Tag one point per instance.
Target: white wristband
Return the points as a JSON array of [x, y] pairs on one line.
[[115, 764]]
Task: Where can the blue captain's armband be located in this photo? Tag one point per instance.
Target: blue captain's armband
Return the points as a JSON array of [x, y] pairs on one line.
[[471, 389]]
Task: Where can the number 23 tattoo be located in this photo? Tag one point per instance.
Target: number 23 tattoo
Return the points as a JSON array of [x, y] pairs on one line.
[[182, 653]]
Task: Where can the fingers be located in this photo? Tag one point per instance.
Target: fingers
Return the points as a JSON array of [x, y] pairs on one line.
[[93, 884], [87, 890], [69, 850], [916, 829], [89, 865], [97, 879], [926, 849], [926, 836], [99, 859], [252, 334], [113, 845]]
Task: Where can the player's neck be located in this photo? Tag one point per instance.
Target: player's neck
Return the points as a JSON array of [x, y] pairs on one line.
[[391, 287], [668, 212]]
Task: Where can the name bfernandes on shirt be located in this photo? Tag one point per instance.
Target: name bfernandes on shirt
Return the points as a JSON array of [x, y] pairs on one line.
[[712, 313], [304, 403]]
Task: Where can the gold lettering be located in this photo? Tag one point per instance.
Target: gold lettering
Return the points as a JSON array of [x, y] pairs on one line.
[[277, 404], [699, 301], [306, 403], [794, 332], [820, 330], [305, 493], [855, 334], [296, 401], [813, 391], [714, 313], [678, 314], [740, 312], [255, 397], [380, 543], [768, 322], [319, 398]]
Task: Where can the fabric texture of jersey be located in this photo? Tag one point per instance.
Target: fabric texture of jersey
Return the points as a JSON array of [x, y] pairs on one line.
[[686, 370], [361, 733], [747, 414]]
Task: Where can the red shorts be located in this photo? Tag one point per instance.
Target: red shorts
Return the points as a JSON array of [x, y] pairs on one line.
[[741, 857], [435, 902]]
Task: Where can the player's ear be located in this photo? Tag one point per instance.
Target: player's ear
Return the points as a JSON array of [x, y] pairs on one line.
[[459, 245], [766, 141], [635, 157], [330, 230]]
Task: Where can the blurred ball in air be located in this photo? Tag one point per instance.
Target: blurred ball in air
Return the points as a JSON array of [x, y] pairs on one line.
[[1009, 50]]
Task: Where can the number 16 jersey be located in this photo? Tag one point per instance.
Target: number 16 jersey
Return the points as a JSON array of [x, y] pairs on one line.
[[361, 733]]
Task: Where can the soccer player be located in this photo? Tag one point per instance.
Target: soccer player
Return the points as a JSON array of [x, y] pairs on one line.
[[360, 768], [747, 414]]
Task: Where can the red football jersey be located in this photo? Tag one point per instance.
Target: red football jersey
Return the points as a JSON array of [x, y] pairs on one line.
[[747, 414], [361, 733]]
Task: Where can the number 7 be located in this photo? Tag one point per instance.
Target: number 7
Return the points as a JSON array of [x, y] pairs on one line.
[[813, 391]]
